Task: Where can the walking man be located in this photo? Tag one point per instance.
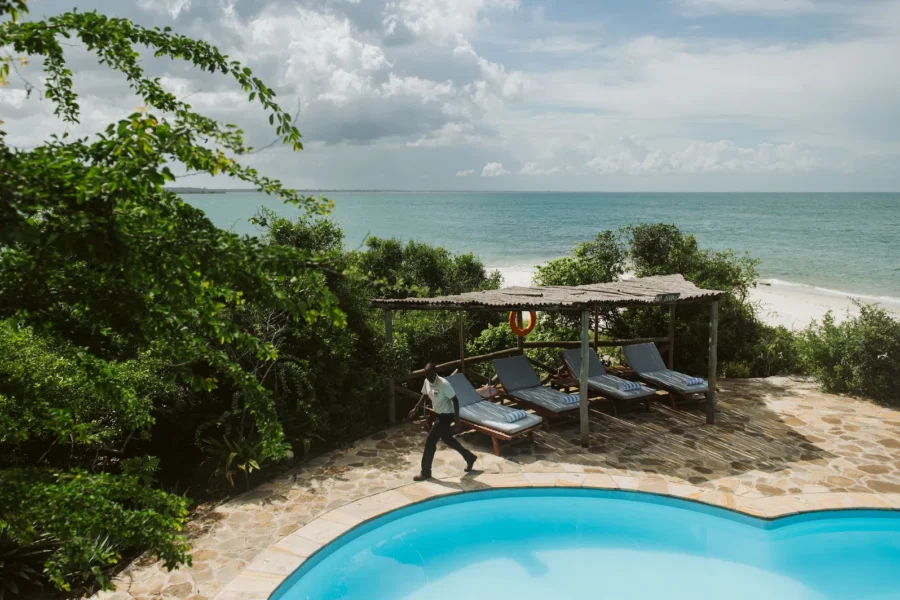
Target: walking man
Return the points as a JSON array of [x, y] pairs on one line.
[[446, 412]]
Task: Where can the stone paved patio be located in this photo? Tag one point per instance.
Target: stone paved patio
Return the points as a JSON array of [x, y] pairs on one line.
[[779, 447]]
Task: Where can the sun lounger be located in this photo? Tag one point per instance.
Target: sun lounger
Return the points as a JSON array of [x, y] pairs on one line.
[[522, 385], [609, 386], [489, 418], [649, 366]]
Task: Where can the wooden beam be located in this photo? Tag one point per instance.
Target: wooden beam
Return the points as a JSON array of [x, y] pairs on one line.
[[671, 356], [600, 344], [520, 341], [538, 363], [454, 364], [583, 376], [711, 377], [408, 393], [462, 342], [596, 327], [389, 338], [477, 378]]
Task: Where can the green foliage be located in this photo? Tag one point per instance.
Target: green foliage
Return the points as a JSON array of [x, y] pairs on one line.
[[491, 339], [98, 253], [57, 392], [235, 454], [736, 370], [21, 565], [123, 309], [775, 351], [92, 519], [418, 269], [421, 270], [599, 261], [859, 356]]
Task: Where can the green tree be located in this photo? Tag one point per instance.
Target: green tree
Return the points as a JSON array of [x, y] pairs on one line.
[[112, 289], [599, 261]]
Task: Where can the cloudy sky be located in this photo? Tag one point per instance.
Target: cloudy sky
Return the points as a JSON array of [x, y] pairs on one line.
[[693, 95]]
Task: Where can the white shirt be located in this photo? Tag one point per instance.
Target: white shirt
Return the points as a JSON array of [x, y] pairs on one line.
[[440, 393]]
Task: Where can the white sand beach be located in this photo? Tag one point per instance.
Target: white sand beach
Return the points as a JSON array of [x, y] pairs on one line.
[[780, 303], [795, 305]]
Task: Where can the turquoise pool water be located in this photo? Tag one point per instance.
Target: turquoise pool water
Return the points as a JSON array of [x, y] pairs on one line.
[[547, 544]]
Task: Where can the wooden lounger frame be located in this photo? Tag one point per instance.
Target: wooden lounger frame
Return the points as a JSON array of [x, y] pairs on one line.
[[614, 402], [495, 435]]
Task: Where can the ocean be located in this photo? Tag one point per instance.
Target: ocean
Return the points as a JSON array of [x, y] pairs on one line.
[[847, 243]]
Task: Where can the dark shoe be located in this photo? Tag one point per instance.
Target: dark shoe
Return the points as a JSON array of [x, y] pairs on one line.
[[470, 461], [421, 477]]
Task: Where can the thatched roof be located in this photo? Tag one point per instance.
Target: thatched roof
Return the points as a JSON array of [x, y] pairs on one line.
[[629, 292]]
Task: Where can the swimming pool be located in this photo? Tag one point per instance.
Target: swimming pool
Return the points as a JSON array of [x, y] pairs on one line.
[[579, 543]]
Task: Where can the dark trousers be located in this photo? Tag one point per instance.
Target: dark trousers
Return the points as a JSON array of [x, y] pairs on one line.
[[442, 430]]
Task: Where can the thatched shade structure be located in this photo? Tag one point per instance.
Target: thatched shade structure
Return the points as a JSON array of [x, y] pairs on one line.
[[666, 290]]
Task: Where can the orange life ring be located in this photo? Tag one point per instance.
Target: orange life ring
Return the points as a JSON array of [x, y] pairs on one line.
[[532, 321]]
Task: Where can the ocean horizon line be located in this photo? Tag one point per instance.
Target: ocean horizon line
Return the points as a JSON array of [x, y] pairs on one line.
[[187, 190]]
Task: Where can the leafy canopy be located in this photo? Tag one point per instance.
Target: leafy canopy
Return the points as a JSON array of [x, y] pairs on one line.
[[97, 252], [116, 296]]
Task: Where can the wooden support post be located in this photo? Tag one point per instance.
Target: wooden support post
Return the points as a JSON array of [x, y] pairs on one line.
[[389, 338], [596, 328], [671, 357], [711, 377], [583, 378], [520, 341], [462, 342]]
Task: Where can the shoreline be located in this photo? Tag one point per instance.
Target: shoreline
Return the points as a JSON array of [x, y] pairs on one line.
[[792, 305]]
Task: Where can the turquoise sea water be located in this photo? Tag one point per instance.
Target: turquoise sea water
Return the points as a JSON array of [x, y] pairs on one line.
[[845, 242], [540, 544]]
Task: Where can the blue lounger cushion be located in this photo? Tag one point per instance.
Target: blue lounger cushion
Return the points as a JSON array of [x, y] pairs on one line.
[[493, 416], [673, 380], [475, 409], [609, 386], [516, 373], [544, 397], [515, 415], [521, 382], [647, 362], [571, 399]]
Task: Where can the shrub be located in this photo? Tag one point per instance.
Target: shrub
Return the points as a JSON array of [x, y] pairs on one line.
[[420, 270], [92, 518], [735, 370], [598, 261], [775, 351], [21, 565], [858, 356]]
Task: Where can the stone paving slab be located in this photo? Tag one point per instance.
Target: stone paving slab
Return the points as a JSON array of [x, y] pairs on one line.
[[779, 447]]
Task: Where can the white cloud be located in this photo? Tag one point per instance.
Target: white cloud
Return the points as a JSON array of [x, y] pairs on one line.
[[426, 89], [785, 92], [456, 82], [327, 62], [493, 169], [350, 89], [438, 20], [514, 85], [466, 173], [532, 169], [171, 7], [451, 134], [635, 157]]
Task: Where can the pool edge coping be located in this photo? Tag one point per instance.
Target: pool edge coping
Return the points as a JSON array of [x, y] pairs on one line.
[[278, 561]]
